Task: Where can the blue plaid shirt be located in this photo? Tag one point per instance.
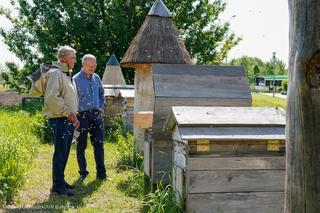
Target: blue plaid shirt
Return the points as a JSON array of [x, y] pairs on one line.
[[90, 91]]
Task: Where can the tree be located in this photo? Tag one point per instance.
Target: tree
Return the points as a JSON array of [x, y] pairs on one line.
[[104, 27], [303, 114], [279, 67], [255, 72], [253, 66]]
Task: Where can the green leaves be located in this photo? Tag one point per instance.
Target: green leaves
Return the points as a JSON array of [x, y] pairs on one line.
[[104, 27]]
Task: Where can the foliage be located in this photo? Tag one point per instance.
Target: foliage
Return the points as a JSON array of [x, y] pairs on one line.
[[42, 128], [116, 128], [106, 27], [254, 67], [128, 158], [250, 65], [284, 85], [162, 200], [18, 147], [16, 78]]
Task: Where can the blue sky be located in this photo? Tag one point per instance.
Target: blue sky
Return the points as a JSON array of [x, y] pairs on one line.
[[262, 24]]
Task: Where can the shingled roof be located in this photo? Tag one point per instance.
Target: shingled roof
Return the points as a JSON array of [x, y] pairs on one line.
[[157, 41]]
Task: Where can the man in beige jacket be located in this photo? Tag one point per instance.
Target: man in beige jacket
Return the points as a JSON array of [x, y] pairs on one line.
[[60, 106]]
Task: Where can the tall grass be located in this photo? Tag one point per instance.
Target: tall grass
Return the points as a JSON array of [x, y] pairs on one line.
[[162, 200], [18, 147]]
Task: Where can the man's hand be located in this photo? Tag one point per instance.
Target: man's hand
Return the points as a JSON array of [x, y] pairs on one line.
[[73, 117], [76, 124]]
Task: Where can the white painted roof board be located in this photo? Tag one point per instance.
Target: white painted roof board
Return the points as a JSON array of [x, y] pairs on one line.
[[225, 116]]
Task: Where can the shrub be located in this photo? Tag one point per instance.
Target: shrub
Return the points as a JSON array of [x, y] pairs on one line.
[[117, 128], [284, 85], [128, 158], [42, 128], [18, 147]]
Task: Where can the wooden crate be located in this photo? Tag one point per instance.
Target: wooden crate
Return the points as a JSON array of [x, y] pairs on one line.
[[189, 85], [228, 159]]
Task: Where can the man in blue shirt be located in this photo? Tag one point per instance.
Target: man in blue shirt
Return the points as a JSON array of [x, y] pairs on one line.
[[91, 105]]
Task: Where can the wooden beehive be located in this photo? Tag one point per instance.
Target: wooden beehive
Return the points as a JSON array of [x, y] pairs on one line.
[[157, 41], [119, 101], [188, 85], [228, 159]]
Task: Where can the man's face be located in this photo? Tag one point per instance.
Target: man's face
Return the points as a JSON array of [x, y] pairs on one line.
[[70, 60], [89, 66]]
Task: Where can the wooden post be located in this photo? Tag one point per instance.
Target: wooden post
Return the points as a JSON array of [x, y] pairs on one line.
[[143, 99], [303, 109]]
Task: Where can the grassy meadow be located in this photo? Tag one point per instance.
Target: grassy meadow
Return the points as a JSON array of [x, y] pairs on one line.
[[25, 169]]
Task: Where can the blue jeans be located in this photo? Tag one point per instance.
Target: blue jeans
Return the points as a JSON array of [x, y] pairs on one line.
[[62, 132], [91, 122]]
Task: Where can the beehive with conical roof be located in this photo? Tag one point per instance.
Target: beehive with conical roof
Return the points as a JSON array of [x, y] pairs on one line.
[[119, 96], [113, 74], [157, 41]]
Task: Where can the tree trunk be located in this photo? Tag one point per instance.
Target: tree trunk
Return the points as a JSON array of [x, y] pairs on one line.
[[303, 109]]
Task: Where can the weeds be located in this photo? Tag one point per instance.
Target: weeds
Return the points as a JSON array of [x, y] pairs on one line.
[[162, 200]]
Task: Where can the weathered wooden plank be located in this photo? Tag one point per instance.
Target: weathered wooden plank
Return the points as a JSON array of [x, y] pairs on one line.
[[232, 133], [162, 163], [143, 119], [200, 81], [236, 163], [144, 98], [147, 158], [236, 181], [255, 202]]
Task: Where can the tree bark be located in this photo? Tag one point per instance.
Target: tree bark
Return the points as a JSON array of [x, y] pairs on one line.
[[303, 109]]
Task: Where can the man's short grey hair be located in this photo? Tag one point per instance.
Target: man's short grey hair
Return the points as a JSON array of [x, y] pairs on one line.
[[65, 50], [88, 56]]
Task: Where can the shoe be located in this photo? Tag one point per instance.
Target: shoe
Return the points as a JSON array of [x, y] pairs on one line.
[[68, 186], [83, 177], [62, 192]]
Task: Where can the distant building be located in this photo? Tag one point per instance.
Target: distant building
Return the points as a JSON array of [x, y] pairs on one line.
[[267, 81]]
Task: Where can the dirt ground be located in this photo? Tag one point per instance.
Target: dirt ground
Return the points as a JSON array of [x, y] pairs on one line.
[[10, 98]]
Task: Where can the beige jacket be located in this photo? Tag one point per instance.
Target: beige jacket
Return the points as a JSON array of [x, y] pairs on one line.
[[60, 97]]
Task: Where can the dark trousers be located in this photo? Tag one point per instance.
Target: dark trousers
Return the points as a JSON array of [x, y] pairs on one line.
[[62, 132], [91, 122]]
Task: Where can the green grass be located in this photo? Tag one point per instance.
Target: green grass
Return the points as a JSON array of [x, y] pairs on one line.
[[260, 100], [91, 195]]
